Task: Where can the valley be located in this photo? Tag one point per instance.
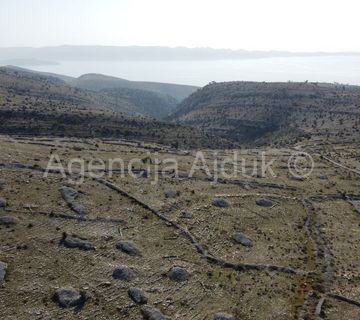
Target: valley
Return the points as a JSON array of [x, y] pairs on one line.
[[122, 200]]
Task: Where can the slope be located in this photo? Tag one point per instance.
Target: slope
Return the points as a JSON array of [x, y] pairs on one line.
[[99, 82], [271, 112], [33, 104]]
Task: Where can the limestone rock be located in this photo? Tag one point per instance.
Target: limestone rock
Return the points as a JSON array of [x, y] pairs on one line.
[[8, 220], [124, 273], [150, 313], [69, 297], [137, 295], [3, 203], [3, 268], [178, 274], [171, 194], [224, 316], [70, 195], [264, 202], [128, 247], [221, 203], [76, 242], [242, 239]]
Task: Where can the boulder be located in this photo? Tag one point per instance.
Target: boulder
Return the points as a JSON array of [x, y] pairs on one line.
[[264, 202], [178, 274], [69, 297], [220, 203], [137, 295], [242, 239], [3, 268], [76, 242], [124, 273], [185, 215], [224, 316], [78, 208], [150, 313], [70, 195], [2, 203], [128, 247], [8, 220], [171, 194]]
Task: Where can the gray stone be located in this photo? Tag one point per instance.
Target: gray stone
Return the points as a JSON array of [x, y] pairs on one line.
[[242, 239], [69, 297], [70, 195], [2, 203], [171, 194], [127, 247], [78, 208], [144, 173], [221, 203], [8, 220], [185, 215], [264, 202], [137, 295], [224, 316], [3, 268], [297, 178], [178, 274], [124, 273], [76, 242], [150, 313]]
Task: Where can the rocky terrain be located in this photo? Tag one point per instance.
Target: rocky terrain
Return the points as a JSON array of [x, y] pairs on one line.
[[119, 247], [101, 236], [149, 99], [98, 82], [265, 113], [35, 104]]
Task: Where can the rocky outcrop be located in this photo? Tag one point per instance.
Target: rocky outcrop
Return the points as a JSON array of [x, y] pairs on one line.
[[72, 241], [69, 297], [128, 247], [178, 274], [137, 295], [70, 195], [242, 239], [124, 273]]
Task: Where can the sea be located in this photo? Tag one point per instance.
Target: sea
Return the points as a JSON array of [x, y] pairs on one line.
[[332, 69]]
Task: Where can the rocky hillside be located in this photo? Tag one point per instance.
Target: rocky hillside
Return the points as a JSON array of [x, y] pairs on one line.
[[99, 82], [150, 99], [273, 112], [143, 102], [33, 104]]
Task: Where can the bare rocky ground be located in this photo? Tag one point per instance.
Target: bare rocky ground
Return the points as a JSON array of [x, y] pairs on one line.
[[134, 250]]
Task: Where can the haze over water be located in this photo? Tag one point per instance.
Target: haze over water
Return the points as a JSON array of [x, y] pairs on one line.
[[319, 69]]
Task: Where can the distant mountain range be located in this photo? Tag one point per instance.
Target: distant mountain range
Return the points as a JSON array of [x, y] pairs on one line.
[[27, 56]]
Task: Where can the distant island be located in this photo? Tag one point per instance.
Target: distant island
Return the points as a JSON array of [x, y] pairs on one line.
[[28, 56]]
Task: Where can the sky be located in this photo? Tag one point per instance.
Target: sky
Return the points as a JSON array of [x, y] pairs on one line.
[[291, 25]]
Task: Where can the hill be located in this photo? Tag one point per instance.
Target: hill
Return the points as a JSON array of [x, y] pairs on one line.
[[273, 112], [34, 104], [144, 102], [99, 82], [145, 98]]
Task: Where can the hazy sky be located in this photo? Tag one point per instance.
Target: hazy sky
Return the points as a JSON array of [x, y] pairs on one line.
[[296, 25]]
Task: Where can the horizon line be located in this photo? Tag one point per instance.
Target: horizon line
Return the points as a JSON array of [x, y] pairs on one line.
[[182, 47]]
